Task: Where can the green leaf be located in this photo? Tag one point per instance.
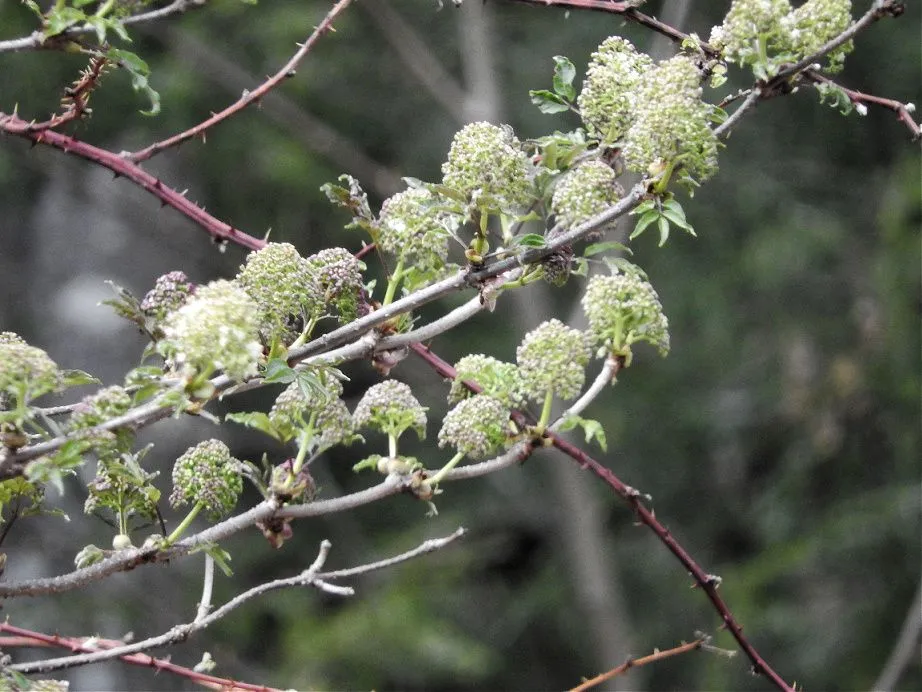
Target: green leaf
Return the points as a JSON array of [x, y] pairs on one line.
[[140, 73], [645, 220], [663, 224], [60, 19], [75, 378], [278, 370], [32, 5], [89, 555], [531, 240], [257, 420], [597, 248], [548, 101], [564, 72], [592, 429]]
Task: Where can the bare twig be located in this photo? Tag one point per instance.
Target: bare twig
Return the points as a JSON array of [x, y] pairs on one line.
[[639, 663], [606, 376], [207, 585], [249, 97], [38, 40], [313, 132], [310, 577]]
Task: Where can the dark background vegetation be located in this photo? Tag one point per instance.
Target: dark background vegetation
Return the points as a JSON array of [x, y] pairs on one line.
[[780, 439]]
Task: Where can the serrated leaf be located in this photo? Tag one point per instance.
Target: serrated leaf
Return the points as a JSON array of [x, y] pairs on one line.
[[548, 101], [564, 73]]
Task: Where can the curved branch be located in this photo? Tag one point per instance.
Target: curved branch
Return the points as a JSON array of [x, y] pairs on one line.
[[249, 97], [706, 582], [158, 664], [309, 577], [38, 40], [122, 167], [629, 11]]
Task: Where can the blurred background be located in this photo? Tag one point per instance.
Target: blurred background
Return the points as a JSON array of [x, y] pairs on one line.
[[779, 440]]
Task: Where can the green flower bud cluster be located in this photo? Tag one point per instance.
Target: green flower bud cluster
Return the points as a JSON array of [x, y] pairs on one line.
[[413, 228], [26, 372], [584, 192], [207, 474], [499, 380], [671, 123], [487, 165], [170, 292], [97, 408], [754, 30], [624, 308], [332, 423], [751, 28], [339, 276], [815, 23], [217, 328], [391, 408], [476, 427], [284, 285], [552, 358], [607, 100]]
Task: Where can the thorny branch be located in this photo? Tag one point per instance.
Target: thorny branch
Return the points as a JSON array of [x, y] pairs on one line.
[[249, 97], [639, 663], [26, 637], [706, 582]]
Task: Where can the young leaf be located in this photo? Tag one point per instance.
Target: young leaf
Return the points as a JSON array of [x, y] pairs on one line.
[[548, 101], [592, 429], [140, 73], [278, 370], [596, 248], [564, 72]]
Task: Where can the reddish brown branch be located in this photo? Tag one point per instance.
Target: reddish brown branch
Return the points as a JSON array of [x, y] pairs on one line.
[[902, 110], [218, 230], [887, 8], [75, 103], [638, 663], [30, 638], [706, 582], [629, 12], [249, 97]]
